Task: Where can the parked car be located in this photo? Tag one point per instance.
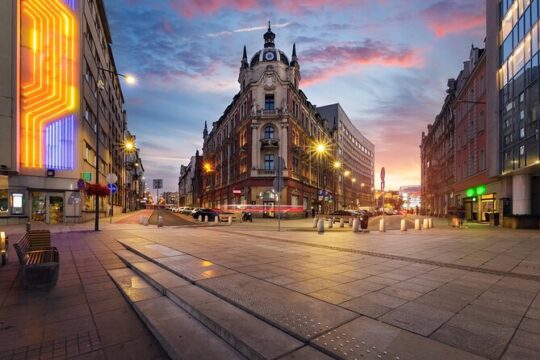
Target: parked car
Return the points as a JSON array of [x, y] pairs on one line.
[[186, 210], [208, 213]]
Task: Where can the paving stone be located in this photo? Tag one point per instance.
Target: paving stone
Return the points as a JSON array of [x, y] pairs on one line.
[[530, 325], [491, 314], [401, 293], [181, 335], [527, 340], [418, 318], [518, 353], [129, 256], [296, 313], [312, 285], [446, 300], [192, 268], [133, 286], [306, 353], [479, 337], [371, 339], [331, 296], [374, 304]]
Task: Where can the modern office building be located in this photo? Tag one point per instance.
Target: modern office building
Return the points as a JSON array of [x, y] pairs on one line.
[[54, 99], [355, 153], [513, 102], [270, 128]]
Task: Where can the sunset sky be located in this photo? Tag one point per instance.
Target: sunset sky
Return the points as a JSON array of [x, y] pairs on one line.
[[385, 61]]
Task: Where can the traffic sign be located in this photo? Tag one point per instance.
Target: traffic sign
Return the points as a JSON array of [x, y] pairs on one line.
[[113, 188], [383, 173], [111, 178], [158, 183], [278, 181]]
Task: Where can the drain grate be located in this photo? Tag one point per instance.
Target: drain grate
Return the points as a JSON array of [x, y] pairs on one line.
[[61, 348]]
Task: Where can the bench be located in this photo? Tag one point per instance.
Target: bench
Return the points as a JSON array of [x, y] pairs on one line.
[[38, 265], [39, 238]]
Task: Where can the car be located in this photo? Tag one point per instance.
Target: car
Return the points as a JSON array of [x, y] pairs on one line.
[[338, 214], [187, 210], [210, 214]]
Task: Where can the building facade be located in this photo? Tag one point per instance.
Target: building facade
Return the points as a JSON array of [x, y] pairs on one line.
[[270, 128], [438, 159], [55, 99], [356, 157], [190, 182], [513, 97]]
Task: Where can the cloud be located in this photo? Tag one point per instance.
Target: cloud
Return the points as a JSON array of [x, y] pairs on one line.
[[454, 16], [249, 29], [336, 60]]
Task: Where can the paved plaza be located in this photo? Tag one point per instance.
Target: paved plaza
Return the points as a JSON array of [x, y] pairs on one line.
[[441, 293]]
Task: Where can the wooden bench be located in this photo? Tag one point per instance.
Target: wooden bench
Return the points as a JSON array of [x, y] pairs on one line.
[[39, 265], [39, 238]]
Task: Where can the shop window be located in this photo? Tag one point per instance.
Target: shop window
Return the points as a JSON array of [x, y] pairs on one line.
[[17, 204], [4, 203]]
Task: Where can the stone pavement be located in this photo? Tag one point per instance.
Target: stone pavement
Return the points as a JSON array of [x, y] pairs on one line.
[[475, 290], [83, 317]]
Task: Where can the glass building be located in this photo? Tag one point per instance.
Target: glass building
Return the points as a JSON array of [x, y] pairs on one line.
[[514, 102]]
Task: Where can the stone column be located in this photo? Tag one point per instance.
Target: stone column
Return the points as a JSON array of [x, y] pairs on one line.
[[255, 147], [283, 142], [521, 194]]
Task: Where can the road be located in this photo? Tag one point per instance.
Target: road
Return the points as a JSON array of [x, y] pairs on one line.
[[169, 219]]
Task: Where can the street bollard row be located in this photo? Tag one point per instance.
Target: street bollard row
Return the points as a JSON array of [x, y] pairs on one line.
[[318, 223]]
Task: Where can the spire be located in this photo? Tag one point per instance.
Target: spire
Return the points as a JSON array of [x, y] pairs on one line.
[[205, 131], [244, 59], [269, 37], [294, 58]]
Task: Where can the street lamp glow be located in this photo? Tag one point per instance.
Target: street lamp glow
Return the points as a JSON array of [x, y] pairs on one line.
[[347, 173], [320, 148], [207, 167], [337, 165], [362, 185], [130, 79], [129, 145], [353, 180]]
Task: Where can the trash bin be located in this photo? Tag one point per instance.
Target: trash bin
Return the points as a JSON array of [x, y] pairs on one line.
[[364, 222], [487, 216], [496, 219]]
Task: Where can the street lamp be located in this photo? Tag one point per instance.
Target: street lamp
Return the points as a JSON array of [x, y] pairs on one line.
[[129, 148], [320, 150], [101, 86]]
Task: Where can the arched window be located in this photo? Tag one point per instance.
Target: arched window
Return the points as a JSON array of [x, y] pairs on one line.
[[269, 132]]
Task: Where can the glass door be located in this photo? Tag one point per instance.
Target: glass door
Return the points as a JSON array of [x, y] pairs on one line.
[[39, 210], [56, 209], [268, 209]]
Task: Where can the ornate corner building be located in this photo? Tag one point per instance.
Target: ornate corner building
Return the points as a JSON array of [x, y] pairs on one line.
[[271, 128]]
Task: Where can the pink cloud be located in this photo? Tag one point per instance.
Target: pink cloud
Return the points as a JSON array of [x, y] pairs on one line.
[[450, 17], [190, 8], [167, 27], [337, 60]]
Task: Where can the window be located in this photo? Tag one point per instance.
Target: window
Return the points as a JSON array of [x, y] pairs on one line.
[[4, 202], [243, 138], [269, 102], [269, 162], [269, 132]]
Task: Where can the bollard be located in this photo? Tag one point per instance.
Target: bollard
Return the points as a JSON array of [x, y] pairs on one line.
[[206, 218], [320, 226], [425, 225], [331, 223], [216, 219], [342, 222], [403, 225], [417, 224], [382, 228], [160, 221], [28, 226], [145, 221], [230, 220], [356, 225], [430, 223], [350, 222], [315, 220], [199, 219]]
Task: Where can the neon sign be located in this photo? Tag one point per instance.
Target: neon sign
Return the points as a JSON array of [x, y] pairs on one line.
[[477, 191], [49, 90]]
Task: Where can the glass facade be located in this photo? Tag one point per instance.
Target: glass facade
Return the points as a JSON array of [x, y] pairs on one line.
[[519, 84]]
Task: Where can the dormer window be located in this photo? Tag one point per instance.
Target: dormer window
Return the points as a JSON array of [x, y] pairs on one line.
[[269, 102]]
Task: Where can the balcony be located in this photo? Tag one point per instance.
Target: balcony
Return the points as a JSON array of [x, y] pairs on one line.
[[269, 143], [266, 172], [268, 113]]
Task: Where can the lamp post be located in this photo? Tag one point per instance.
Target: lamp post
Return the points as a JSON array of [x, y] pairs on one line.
[[101, 86], [320, 150], [337, 165], [129, 147], [353, 181]]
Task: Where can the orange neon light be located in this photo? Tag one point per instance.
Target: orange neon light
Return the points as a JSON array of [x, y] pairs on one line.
[[48, 76]]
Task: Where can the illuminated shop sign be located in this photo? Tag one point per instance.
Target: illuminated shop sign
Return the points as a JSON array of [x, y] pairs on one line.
[[477, 191], [48, 89]]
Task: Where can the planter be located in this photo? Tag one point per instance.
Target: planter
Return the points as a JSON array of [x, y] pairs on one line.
[[521, 222]]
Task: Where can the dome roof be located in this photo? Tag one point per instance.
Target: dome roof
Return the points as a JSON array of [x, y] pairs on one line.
[[269, 53]]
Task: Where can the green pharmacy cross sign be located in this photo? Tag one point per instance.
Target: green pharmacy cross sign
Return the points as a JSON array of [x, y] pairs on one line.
[[477, 191]]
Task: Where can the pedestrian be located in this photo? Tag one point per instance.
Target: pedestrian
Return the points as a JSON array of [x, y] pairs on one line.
[[312, 212]]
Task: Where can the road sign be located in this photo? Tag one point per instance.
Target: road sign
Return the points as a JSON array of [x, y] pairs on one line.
[[158, 183], [111, 178], [86, 176], [112, 187], [237, 192], [383, 173]]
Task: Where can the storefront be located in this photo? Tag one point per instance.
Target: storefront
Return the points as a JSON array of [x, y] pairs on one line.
[[47, 207], [480, 204]]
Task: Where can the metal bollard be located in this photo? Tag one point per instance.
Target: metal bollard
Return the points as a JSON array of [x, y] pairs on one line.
[[417, 225], [199, 219], [216, 219], [315, 220], [425, 225], [320, 226], [356, 225], [342, 222], [430, 223], [382, 227], [331, 223], [160, 221], [206, 218], [230, 220], [403, 225]]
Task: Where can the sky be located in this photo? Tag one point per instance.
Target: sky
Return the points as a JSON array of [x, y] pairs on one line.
[[386, 62]]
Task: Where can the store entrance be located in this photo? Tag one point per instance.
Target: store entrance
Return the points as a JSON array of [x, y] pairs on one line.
[[268, 209], [47, 207]]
